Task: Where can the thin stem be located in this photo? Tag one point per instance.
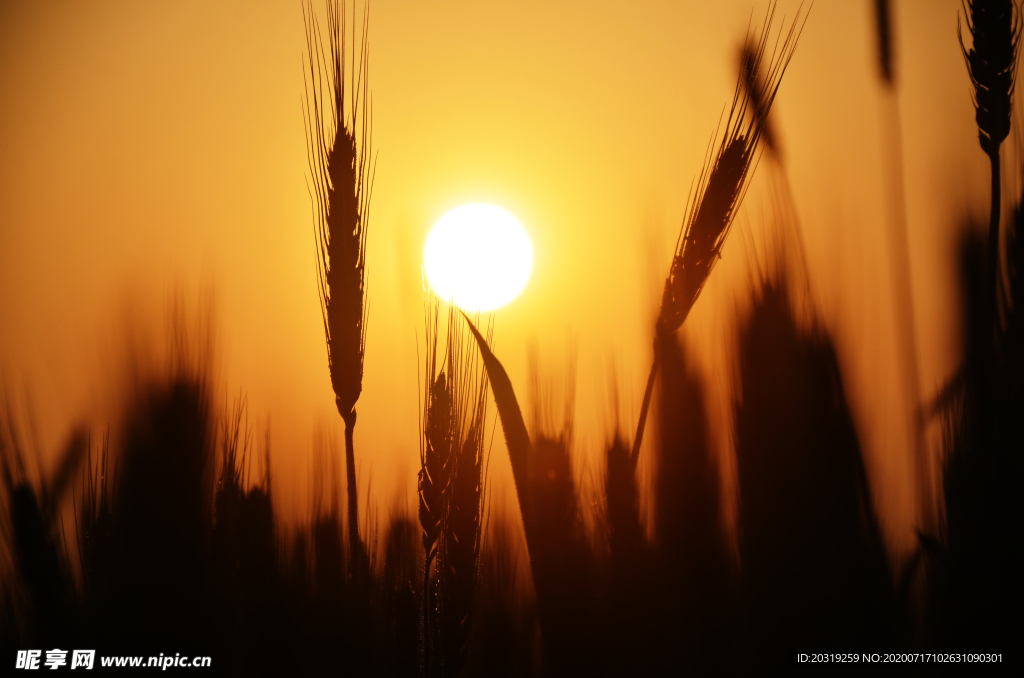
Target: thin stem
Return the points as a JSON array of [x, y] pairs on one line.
[[991, 315], [350, 477], [643, 411], [903, 300], [992, 274], [426, 615]]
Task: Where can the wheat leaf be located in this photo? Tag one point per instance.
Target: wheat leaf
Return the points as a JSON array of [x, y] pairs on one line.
[[520, 449]]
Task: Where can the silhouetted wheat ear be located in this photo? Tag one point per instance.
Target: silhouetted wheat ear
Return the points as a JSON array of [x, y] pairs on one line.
[[720, 189], [450, 492], [995, 28], [753, 84], [992, 64], [433, 464], [461, 553], [338, 150], [460, 541], [435, 447], [723, 181]]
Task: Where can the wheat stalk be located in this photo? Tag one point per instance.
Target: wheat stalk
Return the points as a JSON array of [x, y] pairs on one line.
[[338, 150], [899, 256], [719, 190], [995, 28]]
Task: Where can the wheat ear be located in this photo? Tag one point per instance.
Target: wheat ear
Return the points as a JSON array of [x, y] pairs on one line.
[[719, 190], [338, 150], [435, 445], [995, 29]]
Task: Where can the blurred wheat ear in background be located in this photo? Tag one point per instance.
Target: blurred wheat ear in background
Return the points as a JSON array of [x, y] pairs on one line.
[[813, 567], [40, 575], [900, 262], [562, 563], [719, 191], [338, 149]]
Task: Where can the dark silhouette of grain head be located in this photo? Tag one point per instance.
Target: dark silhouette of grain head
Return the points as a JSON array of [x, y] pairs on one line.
[[813, 567], [451, 492], [720, 189], [723, 180], [338, 150], [995, 28], [754, 89]]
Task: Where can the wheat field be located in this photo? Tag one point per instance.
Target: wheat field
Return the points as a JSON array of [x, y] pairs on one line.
[[761, 403]]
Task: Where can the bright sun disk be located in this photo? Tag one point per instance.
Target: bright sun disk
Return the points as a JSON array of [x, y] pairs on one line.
[[478, 256]]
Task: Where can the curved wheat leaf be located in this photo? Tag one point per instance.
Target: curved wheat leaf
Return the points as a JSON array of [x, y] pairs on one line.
[[520, 448]]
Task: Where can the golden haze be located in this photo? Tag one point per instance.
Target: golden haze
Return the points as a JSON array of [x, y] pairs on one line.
[[147, 147]]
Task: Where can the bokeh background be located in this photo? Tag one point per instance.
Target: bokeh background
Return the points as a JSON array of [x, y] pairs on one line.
[[153, 151]]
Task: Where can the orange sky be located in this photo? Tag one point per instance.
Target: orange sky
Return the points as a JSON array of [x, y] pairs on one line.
[[148, 147]]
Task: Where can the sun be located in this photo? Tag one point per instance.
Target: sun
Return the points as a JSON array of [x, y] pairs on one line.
[[478, 256]]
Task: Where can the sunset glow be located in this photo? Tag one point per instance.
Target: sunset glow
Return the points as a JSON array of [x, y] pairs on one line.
[[539, 338]]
